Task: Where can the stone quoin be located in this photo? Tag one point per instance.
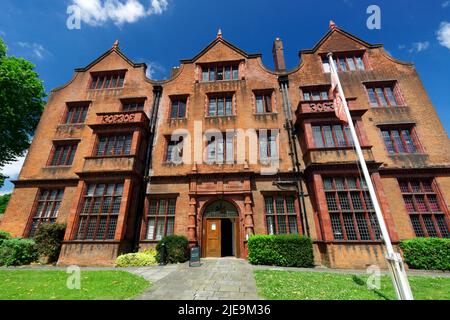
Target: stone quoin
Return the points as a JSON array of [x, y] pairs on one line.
[[106, 159]]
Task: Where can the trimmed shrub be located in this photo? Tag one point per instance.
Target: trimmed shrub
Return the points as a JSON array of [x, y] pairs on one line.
[[281, 250], [4, 236], [17, 251], [177, 249], [49, 239], [427, 253], [139, 259]]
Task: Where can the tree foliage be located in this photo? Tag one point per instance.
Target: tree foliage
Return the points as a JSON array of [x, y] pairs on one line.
[[4, 202], [21, 104]]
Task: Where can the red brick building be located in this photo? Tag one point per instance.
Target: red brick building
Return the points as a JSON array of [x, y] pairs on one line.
[[227, 148]]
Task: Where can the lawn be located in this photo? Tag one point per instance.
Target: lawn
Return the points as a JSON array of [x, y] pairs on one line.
[[51, 285], [290, 285]]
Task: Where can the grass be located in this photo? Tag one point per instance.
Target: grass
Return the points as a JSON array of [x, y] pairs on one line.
[[51, 285], [290, 285]]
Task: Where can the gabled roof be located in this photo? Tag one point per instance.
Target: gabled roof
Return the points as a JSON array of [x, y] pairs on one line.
[[219, 39], [334, 29], [115, 48]]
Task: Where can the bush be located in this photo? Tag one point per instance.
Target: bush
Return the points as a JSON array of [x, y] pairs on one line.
[[177, 249], [4, 236], [281, 250], [427, 253], [17, 251], [138, 259], [49, 239]]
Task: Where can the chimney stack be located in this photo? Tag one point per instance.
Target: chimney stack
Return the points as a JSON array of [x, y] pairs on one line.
[[278, 55]]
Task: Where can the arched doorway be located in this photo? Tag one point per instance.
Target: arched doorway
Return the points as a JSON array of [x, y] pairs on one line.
[[221, 233]]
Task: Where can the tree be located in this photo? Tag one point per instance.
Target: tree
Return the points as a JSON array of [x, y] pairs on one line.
[[4, 202], [21, 104]]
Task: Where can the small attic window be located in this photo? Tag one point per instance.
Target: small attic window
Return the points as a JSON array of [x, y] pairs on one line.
[[220, 71], [107, 80], [345, 62]]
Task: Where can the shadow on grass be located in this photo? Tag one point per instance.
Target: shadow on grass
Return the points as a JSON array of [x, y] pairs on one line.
[[362, 283]]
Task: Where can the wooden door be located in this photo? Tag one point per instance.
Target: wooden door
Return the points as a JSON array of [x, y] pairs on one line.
[[213, 238]]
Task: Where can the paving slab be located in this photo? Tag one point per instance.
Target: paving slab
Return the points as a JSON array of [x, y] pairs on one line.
[[215, 279]]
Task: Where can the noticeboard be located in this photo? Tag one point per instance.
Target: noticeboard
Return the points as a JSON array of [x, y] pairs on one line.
[[194, 260]]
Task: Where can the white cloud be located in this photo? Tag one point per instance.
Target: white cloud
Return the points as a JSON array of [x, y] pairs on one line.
[[13, 169], [155, 71], [98, 12], [419, 46], [415, 47], [37, 50], [443, 34], [445, 4]]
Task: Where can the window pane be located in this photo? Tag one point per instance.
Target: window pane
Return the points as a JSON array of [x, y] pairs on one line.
[[174, 113], [281, 220], [212, 107], [336, 227], [349, 226], [391, 97], [270, 225], [362, 226], [360, 63], [182, 109], [372, 97], [326, 65], [229, 106], [329, 142], [428, 221], [440, 219], [388, 141], [331, 202], [381, 97], [411, 148], [235, 73], [150, 229], [342, 64], [398, 141], [415, 221], [293, 226], [227, 73], [351, 64], [317, 134], [306, 96], [269, 205], [259, 104], [205, 74], [339, 136]]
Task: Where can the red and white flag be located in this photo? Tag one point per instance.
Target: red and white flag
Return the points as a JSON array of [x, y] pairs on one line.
[[339, 108]]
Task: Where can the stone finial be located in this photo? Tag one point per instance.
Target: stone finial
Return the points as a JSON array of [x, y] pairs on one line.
[[219, 34], [246, 166], [116, 45], [194, 167], [332, 25]]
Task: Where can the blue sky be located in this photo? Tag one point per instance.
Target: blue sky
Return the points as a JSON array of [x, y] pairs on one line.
[[161, 32]]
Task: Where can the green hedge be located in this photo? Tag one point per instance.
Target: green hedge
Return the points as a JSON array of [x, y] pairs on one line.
[[17, 251], [281, 250], [138, 259], [4, 236], [427, 253], [49, 239], [177, 249]]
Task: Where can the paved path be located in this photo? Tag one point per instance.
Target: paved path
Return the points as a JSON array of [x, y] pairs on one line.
[[215, 279]]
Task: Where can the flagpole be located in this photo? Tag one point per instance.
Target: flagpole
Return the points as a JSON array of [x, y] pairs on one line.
[[394, 259]]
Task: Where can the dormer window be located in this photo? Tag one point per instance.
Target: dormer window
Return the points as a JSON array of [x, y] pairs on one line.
[[345, 62], [107, 80], [220, 72]]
